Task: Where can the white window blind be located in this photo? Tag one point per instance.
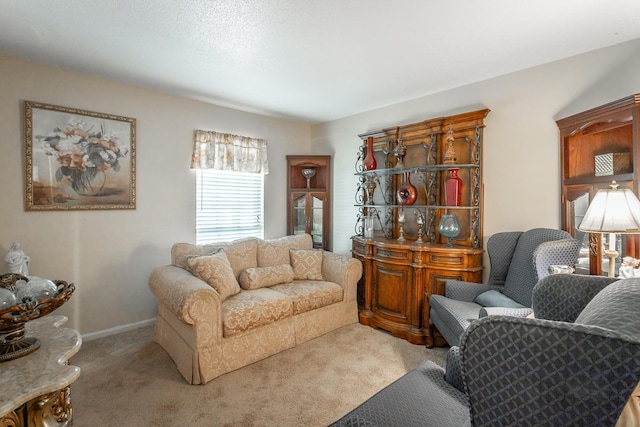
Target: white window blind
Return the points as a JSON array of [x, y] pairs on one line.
[[229, 205]]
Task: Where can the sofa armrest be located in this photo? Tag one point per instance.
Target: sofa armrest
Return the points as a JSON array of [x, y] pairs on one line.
[[563, 296], [555, 252], [190, 299], [453, 368], [550, 365], [343, 270]]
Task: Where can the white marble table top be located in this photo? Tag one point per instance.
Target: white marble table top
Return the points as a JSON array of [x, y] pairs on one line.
[[43, 371]]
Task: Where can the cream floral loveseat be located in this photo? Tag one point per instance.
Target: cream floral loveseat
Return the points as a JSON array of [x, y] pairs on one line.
[[223, 306]]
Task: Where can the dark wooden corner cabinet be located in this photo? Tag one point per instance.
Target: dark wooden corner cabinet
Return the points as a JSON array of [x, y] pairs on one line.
[[405, 257], [309, 200], [599, 146]]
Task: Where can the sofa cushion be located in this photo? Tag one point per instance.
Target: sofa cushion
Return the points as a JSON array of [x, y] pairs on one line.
[[254, 308], [455, 314], [259, 277], [276, 251], [216, 271], [306, 263], [308, 295], [180, 252], [270, 254], [242, 253]]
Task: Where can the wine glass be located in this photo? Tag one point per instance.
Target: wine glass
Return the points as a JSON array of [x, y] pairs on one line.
[[308, 173], [449, 227]]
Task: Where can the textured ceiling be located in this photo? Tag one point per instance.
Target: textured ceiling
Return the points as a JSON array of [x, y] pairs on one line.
[[308, 60]]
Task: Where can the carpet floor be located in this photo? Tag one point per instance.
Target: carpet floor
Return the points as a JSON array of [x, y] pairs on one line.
[[128, 380]]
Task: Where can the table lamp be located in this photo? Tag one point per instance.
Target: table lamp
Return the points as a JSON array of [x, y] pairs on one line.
[[613, 211]]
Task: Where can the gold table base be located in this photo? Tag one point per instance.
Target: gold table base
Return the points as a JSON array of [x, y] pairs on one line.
[[49, 410]]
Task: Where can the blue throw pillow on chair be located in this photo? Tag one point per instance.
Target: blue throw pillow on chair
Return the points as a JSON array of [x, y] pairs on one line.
[[495, 298]]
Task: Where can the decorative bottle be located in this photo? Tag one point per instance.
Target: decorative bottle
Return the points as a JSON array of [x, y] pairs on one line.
[[449, 227], [370, 160], [452, 188], [407, 192]]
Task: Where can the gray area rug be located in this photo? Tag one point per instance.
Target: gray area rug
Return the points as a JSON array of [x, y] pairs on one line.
[[129, 380]]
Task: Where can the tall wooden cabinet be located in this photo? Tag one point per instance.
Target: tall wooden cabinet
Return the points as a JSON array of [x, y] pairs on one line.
[[309, 198], [405, 257], [599, 146]]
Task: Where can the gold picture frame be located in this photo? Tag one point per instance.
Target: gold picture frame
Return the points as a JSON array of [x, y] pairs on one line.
[[78, 160]]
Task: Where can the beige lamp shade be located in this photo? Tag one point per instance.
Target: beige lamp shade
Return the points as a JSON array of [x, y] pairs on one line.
[[613, 210]]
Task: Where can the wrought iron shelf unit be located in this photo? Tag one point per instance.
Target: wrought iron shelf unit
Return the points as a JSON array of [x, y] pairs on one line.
[[416, 169], [419, 152], [404, 256]]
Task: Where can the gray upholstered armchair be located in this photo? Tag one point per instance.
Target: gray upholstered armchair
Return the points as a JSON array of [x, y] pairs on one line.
[[518, 260], [577, 365]]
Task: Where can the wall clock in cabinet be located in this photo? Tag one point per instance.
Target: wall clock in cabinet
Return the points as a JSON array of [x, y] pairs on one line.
[[309, 198]]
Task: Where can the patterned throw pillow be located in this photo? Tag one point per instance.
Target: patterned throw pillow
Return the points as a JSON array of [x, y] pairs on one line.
[[216, 271], [306, 263], [494, 298], [260, 277]]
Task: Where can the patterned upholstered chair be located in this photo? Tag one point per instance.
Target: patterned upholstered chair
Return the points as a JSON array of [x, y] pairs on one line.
[[575, 364], [518, 260]]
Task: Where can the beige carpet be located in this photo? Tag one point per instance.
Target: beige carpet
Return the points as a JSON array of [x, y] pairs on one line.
[[129, 380]]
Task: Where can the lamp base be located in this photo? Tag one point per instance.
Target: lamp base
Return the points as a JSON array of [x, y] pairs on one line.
[[612, 255]]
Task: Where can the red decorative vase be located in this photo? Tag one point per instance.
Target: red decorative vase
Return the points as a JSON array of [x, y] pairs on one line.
[[407, 193], [452, 188], [370, 160]]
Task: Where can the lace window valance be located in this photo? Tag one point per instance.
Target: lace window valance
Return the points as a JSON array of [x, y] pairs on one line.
[[221, 151]]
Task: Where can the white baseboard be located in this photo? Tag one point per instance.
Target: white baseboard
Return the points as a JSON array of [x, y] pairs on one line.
[[117, 330]]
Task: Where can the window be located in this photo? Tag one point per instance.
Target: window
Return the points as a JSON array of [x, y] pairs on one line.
[[230, 173], [229, 205]]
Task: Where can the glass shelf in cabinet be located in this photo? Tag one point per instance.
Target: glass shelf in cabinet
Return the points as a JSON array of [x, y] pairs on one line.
[[416, 206], [592, 179], [425, 168]]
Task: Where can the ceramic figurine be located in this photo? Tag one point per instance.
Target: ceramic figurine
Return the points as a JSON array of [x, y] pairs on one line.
[[17, 260]]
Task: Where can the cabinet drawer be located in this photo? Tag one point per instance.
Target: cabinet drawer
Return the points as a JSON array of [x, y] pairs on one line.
[[448, 259], [454, 259], [359, 248], [392, 255]]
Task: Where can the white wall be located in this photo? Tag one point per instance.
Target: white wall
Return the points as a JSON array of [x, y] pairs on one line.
[[109, 254], [521, 138]]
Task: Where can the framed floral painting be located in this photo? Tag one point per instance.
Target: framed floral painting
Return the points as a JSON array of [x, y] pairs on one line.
[[78, 160]]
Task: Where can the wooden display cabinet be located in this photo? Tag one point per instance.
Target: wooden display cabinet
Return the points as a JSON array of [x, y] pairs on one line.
[[309, 200], [612, 132], [405, 258]]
